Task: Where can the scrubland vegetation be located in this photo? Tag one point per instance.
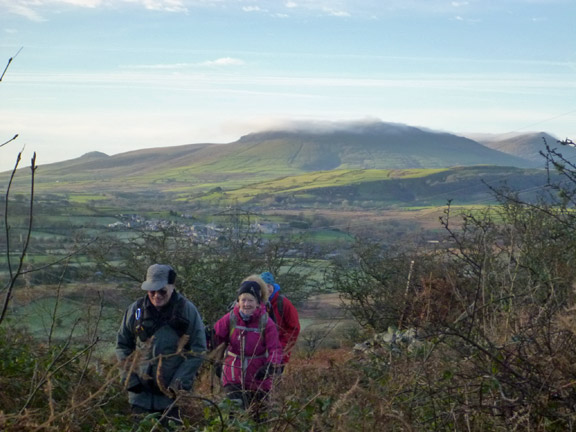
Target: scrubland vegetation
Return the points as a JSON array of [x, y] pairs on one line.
[[474, 332]]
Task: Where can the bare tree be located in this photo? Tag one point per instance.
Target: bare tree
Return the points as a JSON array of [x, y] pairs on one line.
[[15, 264]]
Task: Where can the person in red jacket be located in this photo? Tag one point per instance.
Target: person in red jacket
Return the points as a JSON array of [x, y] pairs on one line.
[[285, 316], [253, 352]]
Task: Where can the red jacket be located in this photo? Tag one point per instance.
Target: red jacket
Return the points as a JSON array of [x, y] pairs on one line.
[[288, 324], [248, 350]]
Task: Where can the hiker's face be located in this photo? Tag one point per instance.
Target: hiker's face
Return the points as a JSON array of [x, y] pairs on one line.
[[161, 297], [270, 289], [247, 303]]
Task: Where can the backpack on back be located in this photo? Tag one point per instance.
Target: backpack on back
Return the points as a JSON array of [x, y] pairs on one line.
[[280, 309]]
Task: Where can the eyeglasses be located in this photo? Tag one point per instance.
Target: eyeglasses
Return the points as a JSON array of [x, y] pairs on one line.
[[161, 292]]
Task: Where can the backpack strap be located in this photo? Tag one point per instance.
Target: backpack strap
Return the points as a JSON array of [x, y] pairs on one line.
[[139, 329], [261, 325], [263, 322], [177, 321], [281, 305], [145, 327], [232, 325]]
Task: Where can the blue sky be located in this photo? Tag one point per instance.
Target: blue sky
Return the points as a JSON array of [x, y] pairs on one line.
[[121, 75]]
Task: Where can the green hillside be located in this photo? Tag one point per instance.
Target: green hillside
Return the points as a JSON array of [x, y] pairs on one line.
[[373, 166], [378, 188], [265, 156]]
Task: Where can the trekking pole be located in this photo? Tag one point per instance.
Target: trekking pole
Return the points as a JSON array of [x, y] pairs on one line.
[[243, 370]]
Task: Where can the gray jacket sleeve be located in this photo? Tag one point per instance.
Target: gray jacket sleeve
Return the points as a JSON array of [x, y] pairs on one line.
[[125, 338], [183, 377]]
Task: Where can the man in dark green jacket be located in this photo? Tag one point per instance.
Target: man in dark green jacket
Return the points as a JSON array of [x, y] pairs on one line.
[[160, 344]]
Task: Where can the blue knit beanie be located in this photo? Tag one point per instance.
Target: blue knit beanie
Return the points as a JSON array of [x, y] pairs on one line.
[[268, 278]]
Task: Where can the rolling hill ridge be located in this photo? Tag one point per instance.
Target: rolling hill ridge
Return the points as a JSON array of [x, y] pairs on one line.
[[376, 145], [257, 160], [527, 146]]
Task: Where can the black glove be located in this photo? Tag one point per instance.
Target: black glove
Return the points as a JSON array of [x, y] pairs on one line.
[[267, 371], [151, 387], [262, 373], [218, 369], [277, 370], [134, 384]]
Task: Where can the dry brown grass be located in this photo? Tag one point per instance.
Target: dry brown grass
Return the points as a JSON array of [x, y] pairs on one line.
[[426, 218]]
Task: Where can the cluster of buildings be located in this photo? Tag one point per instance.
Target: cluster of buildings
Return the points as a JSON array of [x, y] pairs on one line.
[[204, 233]]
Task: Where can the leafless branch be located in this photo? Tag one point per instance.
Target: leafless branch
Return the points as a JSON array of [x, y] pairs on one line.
[[9, 141], [9, 62], [13, 275]]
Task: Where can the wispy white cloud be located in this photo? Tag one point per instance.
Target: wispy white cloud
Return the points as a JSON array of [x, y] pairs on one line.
[[22, 10], [305, 85], [251, 9], [337, 13], [223, 62], [165, 5], [317, 125], [37, 10], [164, 66], [80, 3], [466, 19]]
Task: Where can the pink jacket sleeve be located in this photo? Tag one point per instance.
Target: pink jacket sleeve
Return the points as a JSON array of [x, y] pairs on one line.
[[222, 330]]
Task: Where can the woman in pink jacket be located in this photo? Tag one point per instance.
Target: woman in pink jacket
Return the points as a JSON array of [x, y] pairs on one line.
[[253, 355]]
